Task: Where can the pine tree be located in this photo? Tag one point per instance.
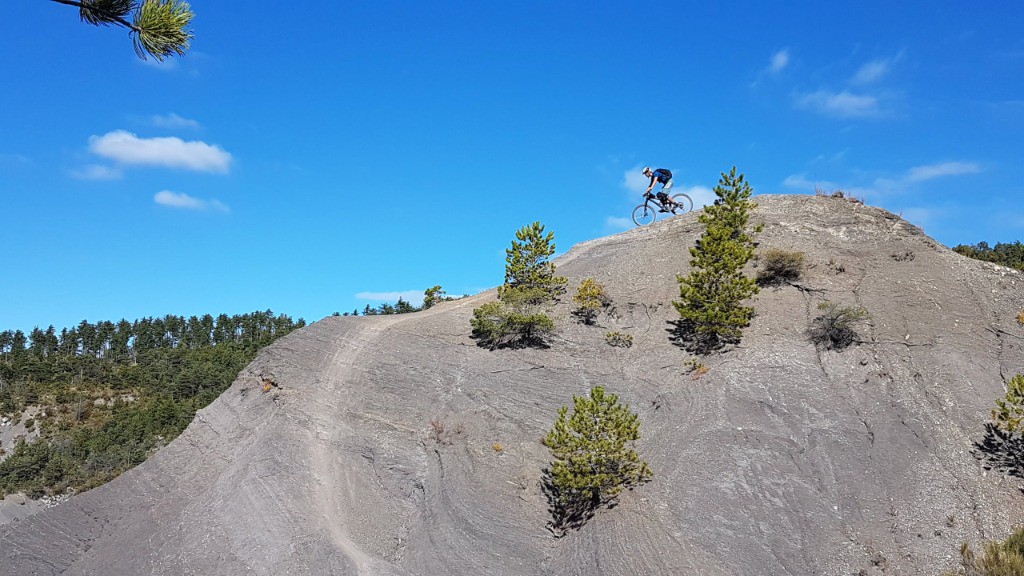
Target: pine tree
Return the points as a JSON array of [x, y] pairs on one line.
[[528, 271], [590, 299], [158, 28], [710, 297], [432, 296], [594, 456], [516, 319]]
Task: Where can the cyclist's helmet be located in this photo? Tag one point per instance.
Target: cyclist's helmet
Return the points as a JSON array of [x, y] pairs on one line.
[[646, 170]]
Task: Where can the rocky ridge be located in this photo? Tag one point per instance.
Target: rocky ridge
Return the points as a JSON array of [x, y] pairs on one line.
[[781, 459]]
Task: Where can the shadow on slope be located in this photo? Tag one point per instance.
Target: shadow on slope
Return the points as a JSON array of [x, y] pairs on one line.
[[569, 513], [1001, 451], [684, 334]]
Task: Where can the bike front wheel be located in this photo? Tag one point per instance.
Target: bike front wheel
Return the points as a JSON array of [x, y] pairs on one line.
[[683, 204], [644, 214]]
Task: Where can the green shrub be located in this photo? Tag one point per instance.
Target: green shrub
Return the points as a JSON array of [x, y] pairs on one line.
[[833, 330], [780, 267], [496, 325], [590, 299], [1009, 409], [999, 558], [594, 456]]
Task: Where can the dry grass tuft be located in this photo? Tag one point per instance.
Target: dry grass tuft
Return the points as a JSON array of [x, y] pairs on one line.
[[780, 267], [442, 434], [695, 368], [619, 339], [833, 330]]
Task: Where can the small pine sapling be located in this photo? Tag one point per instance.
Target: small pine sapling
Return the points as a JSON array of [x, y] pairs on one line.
[[527, 268], [590, 300], [594, 456]]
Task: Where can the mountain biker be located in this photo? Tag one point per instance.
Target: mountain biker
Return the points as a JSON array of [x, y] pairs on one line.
[[660, 175]]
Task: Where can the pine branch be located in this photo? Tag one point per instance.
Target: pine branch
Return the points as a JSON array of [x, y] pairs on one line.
[[159, 27], [103, 12]]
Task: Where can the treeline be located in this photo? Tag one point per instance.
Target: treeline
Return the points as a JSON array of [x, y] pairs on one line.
[[1010, 255], [104, 396], [120, 341], [387, 308], [431, 296]]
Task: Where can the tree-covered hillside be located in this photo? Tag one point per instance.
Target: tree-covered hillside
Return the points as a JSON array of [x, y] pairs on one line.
[[1006, 254], [105, 395]]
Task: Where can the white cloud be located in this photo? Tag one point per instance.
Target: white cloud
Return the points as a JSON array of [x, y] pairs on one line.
[[186, 202], [840, 104], [922, 173], [617, 224], [634, 181], [884, 186], [701, 195], [919, 216], [414, 297], [97, 172], [875, 70], [779, 61], [127, 148], [167, 64], [218, 206], [800, 182], [871, 72], [172, 120], [177, 200]]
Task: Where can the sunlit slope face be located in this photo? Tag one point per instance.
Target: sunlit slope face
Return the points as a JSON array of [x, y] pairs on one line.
[[375, 451]]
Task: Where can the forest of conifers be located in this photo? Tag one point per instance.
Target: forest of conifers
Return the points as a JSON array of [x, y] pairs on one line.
[[1006, 254], [104, 396]]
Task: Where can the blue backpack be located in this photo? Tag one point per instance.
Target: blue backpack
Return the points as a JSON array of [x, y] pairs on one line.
[[663, 175]]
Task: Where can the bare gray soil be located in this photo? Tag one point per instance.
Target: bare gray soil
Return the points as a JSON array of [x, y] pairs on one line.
[[780, 460]]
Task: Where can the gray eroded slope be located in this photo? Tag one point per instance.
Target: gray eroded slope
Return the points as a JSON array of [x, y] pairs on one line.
[[780, 460]]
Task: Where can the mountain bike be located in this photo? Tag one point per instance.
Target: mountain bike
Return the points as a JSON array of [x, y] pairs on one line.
[[647, 212]]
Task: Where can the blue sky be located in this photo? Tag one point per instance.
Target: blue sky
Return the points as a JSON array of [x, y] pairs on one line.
[[328, 156]]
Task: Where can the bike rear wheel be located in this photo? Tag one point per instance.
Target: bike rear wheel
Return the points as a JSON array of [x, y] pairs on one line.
[[683, 204], [644, 214]]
